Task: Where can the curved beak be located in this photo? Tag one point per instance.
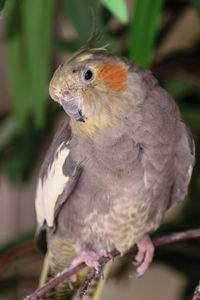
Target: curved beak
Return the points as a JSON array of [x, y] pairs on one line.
[[72, 105]]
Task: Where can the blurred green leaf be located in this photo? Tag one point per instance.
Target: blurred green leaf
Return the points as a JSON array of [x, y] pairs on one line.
[[66, 45], [21, 238], [19, 151], [74, 45], [28, 54], [19, 156], [17, 79], [81, 15], [178, 86], [118, 8], [196, 4], [192, 116], [2, 4], [36, 21], [7, 131], [143, 30]]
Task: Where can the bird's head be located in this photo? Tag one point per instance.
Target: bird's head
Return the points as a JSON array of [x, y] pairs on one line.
[[92, 89]]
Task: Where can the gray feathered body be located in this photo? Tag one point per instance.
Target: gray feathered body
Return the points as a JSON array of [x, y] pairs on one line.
[[131, 173], [122, 179]]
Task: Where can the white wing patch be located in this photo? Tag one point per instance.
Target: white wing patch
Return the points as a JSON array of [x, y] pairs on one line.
[[51, 187]]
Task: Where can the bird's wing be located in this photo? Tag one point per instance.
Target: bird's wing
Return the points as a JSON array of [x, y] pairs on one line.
[[58, 176], [184, 161]]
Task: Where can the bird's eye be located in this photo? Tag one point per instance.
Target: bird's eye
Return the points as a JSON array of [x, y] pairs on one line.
[[87, 75]]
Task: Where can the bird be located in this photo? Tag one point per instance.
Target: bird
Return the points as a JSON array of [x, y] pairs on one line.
[[122, 157]]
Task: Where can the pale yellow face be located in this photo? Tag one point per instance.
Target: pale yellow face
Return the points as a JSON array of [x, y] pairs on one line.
[[89, 87], [81, 75]]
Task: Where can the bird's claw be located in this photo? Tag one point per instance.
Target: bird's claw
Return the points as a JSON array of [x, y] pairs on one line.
[[70, 283], [109, 255], [99, 270], [90, 258], [136, 263], [139, 275], [136, 276], [144, 256]]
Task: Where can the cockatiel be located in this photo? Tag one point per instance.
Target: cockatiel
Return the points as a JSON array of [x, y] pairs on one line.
[[113, 170]]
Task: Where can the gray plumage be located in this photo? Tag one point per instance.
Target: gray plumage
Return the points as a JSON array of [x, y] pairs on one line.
[[123, 178]]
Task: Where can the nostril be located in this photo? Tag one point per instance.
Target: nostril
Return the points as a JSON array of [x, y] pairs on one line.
[[65, 93]]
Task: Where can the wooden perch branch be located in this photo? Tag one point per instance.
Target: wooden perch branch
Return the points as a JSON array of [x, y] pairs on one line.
[[85, 285], [157, 241], [176, 237]]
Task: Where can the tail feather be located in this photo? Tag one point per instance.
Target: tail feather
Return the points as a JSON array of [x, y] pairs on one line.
[[59, 257], [63, 290], [45, 270]]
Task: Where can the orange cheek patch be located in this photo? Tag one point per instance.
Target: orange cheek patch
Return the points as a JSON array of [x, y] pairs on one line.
[[113, 75]]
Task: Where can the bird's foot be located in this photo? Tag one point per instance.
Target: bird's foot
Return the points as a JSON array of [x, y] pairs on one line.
[[144, 255], [90, 258]]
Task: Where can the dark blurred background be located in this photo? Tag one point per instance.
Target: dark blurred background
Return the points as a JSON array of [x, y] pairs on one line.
[[35, 36]]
